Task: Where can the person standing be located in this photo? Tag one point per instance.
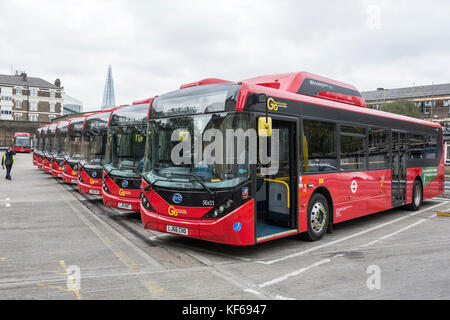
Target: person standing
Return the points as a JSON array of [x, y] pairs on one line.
[[8, 161]]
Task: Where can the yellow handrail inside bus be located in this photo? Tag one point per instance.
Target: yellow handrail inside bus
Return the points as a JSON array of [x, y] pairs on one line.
[[287, 187]]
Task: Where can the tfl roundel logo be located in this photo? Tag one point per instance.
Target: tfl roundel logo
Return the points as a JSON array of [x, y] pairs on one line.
[[124, 183], [177, 198]]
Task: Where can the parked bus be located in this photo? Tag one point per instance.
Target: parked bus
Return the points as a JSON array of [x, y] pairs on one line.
[[40, 151], [22, 142], [60, 148], [90, 166], [337, 160], [48, 148], [36, 146], [124, 157], [74, 154]]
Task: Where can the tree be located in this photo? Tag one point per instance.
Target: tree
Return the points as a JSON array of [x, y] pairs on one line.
[[403, 107]]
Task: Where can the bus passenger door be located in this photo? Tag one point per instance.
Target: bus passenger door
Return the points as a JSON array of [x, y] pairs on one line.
[[398, 178], [276, 196]]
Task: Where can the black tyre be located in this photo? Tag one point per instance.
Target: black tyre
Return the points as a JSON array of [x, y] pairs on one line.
[[318, 218], [417, 196]]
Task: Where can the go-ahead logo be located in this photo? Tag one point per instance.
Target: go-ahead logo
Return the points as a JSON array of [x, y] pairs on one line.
[[172, 211], [275, 105], [177, 198]]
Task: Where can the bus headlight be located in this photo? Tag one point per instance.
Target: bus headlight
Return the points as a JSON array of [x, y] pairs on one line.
[[221, 211], [147, 205], [105, 186]]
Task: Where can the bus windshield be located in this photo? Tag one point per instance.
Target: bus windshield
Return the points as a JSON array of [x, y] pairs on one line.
[[60, 146], [49, 140], [196, 172], [125, 150], [23, 141]]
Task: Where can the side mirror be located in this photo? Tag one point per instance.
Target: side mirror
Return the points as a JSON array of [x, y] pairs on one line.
[[265, 127]]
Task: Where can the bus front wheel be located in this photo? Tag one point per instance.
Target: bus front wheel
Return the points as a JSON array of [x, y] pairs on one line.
[[318, 218]]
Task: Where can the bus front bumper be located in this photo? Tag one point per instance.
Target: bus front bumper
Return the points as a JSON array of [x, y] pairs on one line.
[[236, 228], [95, 190], [57, 173], [67, 178], [114, 201], [47, 169]]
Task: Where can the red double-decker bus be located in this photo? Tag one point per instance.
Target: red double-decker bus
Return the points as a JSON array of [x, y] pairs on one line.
[[22, 142], [60, 148], [90, 166], [74, 154], [334, 160], [124, 157]]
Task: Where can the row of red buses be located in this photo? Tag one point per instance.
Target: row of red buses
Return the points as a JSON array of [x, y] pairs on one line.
[[22, 142], [312, 156]]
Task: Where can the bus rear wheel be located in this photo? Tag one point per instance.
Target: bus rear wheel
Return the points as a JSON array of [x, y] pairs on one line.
[[417, 196], [318, 218]]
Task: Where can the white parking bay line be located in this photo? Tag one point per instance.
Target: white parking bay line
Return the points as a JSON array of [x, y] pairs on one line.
[[393, 233], [297, 272], [300, 253]]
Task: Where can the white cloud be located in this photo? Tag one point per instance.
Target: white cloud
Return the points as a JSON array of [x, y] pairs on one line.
[[155, 46]]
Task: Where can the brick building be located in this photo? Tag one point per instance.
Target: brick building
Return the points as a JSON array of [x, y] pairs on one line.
[[33, 99], [433, 101]]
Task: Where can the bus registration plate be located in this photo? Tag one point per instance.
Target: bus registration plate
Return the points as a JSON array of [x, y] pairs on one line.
[[177, 230], [121, 205], [74, 181], [92, 191]]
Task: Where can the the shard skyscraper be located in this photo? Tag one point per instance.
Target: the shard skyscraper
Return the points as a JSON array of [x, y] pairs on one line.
[[109, 99]]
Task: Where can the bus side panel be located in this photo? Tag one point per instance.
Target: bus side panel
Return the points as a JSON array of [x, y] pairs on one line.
[[354, 194]]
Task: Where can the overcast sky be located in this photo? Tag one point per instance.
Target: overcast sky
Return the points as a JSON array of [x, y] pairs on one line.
[[155, 46]]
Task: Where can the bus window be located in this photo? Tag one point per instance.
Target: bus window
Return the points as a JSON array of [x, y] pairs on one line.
[[378, 148], [430, 146], [353, 154], [416, 146], [319, 146]]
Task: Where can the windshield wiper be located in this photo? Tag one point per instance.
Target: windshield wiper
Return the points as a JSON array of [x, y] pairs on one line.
[[150, 186]]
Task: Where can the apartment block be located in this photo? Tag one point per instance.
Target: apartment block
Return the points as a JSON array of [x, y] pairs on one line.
[[32, 99]]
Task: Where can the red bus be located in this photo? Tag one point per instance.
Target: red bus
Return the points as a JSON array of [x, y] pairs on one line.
[[41, 150], [60, 148], [48, 148], [124, 157], [74, 152], [337, 160], [90, 166], [36, 146], [22, 142]]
